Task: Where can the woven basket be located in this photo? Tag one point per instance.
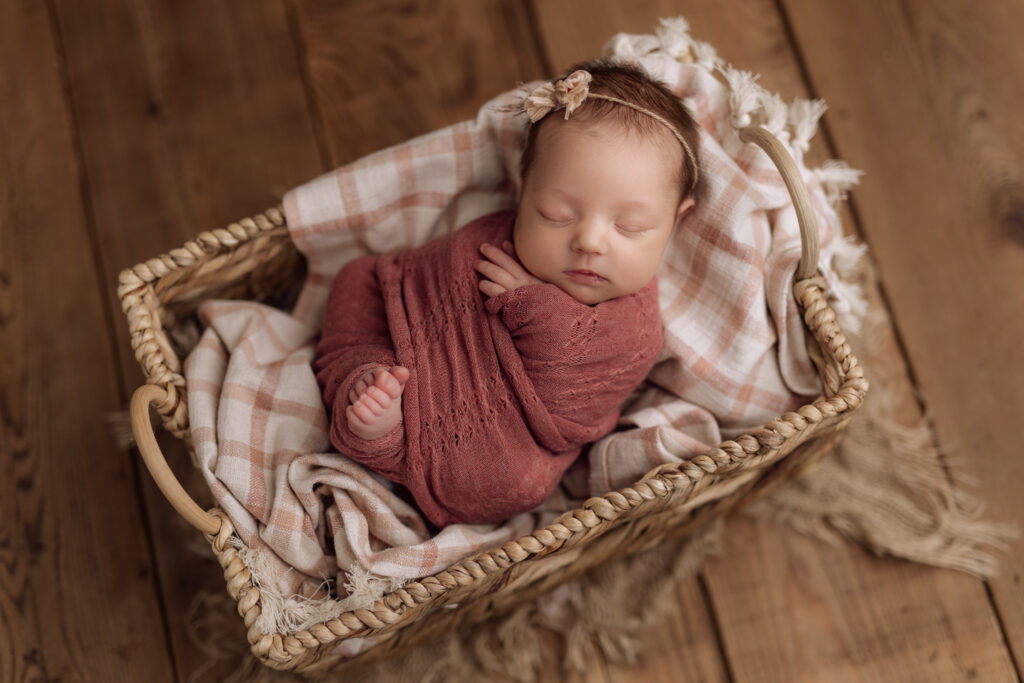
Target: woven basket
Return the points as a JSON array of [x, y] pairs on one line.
[[255, 259]]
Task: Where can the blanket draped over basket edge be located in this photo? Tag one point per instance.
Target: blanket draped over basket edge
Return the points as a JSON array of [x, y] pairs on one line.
[[734, 355]]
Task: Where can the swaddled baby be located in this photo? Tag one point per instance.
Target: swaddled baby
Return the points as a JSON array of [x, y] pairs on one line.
[[473, 369]]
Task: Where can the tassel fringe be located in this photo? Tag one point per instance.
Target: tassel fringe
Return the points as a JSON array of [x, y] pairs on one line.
[[836, 178]]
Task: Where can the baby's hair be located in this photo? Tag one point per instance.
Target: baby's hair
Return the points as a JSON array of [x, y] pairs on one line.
[[632, 84]]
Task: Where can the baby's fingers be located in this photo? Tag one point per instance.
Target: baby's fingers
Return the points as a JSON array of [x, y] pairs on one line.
[[503, 259], [491, 289], [497, 275]]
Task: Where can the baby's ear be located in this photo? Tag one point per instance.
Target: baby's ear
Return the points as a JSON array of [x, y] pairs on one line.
[[684, 208]]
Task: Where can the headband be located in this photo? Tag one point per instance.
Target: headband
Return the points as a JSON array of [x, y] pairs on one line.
[[571, 91]]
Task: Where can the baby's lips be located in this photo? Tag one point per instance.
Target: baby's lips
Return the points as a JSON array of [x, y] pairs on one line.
[[585, 276]]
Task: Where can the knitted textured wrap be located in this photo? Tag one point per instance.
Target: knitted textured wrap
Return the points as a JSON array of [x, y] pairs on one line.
[[503, 394]]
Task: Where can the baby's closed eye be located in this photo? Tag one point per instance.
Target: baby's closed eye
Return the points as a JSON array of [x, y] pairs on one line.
[[558, 217], [631, 229]]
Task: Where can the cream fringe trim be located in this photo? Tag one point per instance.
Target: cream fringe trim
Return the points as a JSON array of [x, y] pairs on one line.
[[604, 615], [282, 612]]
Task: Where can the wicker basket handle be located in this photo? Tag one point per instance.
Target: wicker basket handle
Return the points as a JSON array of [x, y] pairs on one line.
[[808, 266], [176, 495]]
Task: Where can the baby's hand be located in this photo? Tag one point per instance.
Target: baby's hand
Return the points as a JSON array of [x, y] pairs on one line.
[[502, 271]]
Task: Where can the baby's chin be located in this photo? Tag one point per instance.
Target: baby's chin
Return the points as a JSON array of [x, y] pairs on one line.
[[591, 296]]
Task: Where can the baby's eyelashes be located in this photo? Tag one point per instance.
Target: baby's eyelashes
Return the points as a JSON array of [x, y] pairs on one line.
[[631, 230], [558, 219]]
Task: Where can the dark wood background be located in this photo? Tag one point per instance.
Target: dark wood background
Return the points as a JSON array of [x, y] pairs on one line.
[[126, 128]]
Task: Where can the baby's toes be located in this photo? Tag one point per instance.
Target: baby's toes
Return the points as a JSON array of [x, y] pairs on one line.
[[387, 385], [359, 413], [378, 396], [393, 381], [362, 383], [400, 373], [368, 407]]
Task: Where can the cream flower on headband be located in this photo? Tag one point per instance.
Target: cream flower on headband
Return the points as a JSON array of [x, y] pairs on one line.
[[568, 92]]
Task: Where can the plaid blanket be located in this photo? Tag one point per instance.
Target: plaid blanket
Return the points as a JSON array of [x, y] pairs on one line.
[[734, 354]]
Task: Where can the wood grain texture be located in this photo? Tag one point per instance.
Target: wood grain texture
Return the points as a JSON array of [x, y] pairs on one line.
[[842, 615], [683, 646], [745, 33], [385, 72], [188, 115], [191, 115], [766, 638], [77, 592], [928, 96], [812, 611]]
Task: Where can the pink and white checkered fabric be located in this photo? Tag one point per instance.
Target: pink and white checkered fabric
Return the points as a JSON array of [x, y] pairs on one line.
[[734, 355]]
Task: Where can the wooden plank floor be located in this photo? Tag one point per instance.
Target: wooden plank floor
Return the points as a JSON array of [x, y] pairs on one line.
[[127, 128]]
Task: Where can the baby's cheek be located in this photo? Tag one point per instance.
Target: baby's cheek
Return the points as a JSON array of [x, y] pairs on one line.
[[644, 266], [531, 254]]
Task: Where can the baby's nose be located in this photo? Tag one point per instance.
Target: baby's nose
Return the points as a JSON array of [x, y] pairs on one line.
[[590, 237]]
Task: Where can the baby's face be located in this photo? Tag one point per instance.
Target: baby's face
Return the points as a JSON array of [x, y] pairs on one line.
[[598, 207]]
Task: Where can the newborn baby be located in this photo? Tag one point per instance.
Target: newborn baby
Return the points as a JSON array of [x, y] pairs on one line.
[[473, 369]]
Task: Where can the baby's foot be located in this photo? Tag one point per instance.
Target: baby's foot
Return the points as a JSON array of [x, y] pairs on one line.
[[375, 402]]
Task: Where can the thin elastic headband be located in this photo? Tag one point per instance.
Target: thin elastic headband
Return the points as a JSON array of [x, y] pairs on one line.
[[571, 91]]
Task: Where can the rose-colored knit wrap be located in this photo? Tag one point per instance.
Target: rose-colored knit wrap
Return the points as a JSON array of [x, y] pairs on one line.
[[503, 394]]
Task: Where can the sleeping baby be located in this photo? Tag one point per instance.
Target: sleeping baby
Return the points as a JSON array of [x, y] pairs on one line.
[[472, 370]]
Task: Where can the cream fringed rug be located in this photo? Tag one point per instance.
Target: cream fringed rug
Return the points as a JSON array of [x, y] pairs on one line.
[[884, 488]]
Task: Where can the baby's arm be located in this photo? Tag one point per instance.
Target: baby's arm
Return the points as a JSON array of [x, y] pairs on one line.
[[582, 361]]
